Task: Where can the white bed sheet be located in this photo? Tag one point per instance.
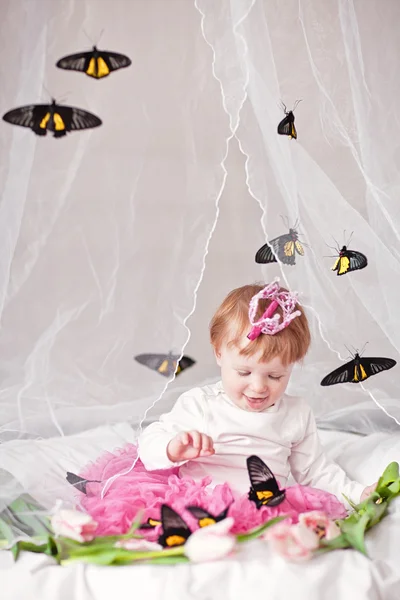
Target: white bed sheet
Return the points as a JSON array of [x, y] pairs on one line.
[[253, 572]]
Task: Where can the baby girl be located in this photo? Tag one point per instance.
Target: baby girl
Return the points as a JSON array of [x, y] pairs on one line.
[[197, 453]]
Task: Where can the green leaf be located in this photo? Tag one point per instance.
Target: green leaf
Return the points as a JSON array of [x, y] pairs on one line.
[[389, 475], [354, 532], [255, 533], [335, 544]]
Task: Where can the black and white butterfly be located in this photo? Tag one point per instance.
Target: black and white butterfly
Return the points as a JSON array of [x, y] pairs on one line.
[[58, 119], [264, 489]]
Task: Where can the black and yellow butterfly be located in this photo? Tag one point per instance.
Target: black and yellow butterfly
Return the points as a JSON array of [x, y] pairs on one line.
[[175, 530], [95, 63], [205, 518], [165, 364], [358, 369], [349, 260], [264, 489], [42, 118], [286, 126], [284, 247]]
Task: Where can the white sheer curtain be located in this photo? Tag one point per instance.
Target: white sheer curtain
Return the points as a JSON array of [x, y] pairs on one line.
[[123, 239]]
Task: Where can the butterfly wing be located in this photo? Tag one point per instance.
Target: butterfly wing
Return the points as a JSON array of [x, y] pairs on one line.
[[357, 260], [175, 530], [203, 517], [299, 248], [264, 488], [341, 265], [278, 247], [150, 524], [75, 62], [286, 126], [372, 366], [31, 116], [77, 118], [342, 374], [156, 362], [165, 364], [184, 363], [79, 482]]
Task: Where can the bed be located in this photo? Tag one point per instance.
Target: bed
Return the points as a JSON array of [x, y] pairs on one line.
[[40, 466]]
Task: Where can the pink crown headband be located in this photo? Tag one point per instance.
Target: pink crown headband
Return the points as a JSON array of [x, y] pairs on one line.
[[270, 323]]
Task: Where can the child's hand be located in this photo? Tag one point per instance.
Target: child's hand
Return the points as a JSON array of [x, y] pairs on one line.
[[188, 445], [368, 491]]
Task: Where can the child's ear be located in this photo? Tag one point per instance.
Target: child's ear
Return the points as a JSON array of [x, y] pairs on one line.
[[217, 355]]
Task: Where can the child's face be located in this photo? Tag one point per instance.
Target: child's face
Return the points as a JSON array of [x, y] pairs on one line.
[[252, 385]]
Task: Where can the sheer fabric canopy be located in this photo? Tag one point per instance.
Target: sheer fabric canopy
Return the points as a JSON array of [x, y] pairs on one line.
[[123, 239]]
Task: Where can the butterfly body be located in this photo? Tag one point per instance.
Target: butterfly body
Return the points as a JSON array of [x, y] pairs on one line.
[[53, 117], [175, 530], [358, 370], [95, 63], [165, 364], [349, 260], [204, 518], [264, 489], [284, 247]]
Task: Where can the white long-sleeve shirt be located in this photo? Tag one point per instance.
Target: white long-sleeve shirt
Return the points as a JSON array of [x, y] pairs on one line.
[[284, 436]]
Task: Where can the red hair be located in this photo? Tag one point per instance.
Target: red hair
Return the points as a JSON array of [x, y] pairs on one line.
[[231, 323]]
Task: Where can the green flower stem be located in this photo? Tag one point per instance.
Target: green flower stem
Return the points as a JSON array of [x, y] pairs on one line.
[[255, 533], [122, 556]]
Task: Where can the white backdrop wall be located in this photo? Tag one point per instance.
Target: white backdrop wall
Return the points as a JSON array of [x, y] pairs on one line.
[[124, 239]]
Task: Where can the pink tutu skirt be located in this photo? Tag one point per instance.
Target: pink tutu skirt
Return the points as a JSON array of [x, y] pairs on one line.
[[145, 491]]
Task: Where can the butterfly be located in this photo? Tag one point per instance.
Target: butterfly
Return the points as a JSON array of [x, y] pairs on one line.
[[95, 63], [284, 247], [175, 530], [165, 364], [79, 482], [358, 369], [264, 488], [286, 126], [52, 117], [205, 518], [348, 260]]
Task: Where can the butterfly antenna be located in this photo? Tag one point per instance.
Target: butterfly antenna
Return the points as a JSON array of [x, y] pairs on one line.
[[285, 220], [348, 243], [101, 33], [63, 97], [337, 244], [51, 97], [295, 226], [331, 247], [349, 351], [89, 38], [363, 348], [284, 107], [296, 104]]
